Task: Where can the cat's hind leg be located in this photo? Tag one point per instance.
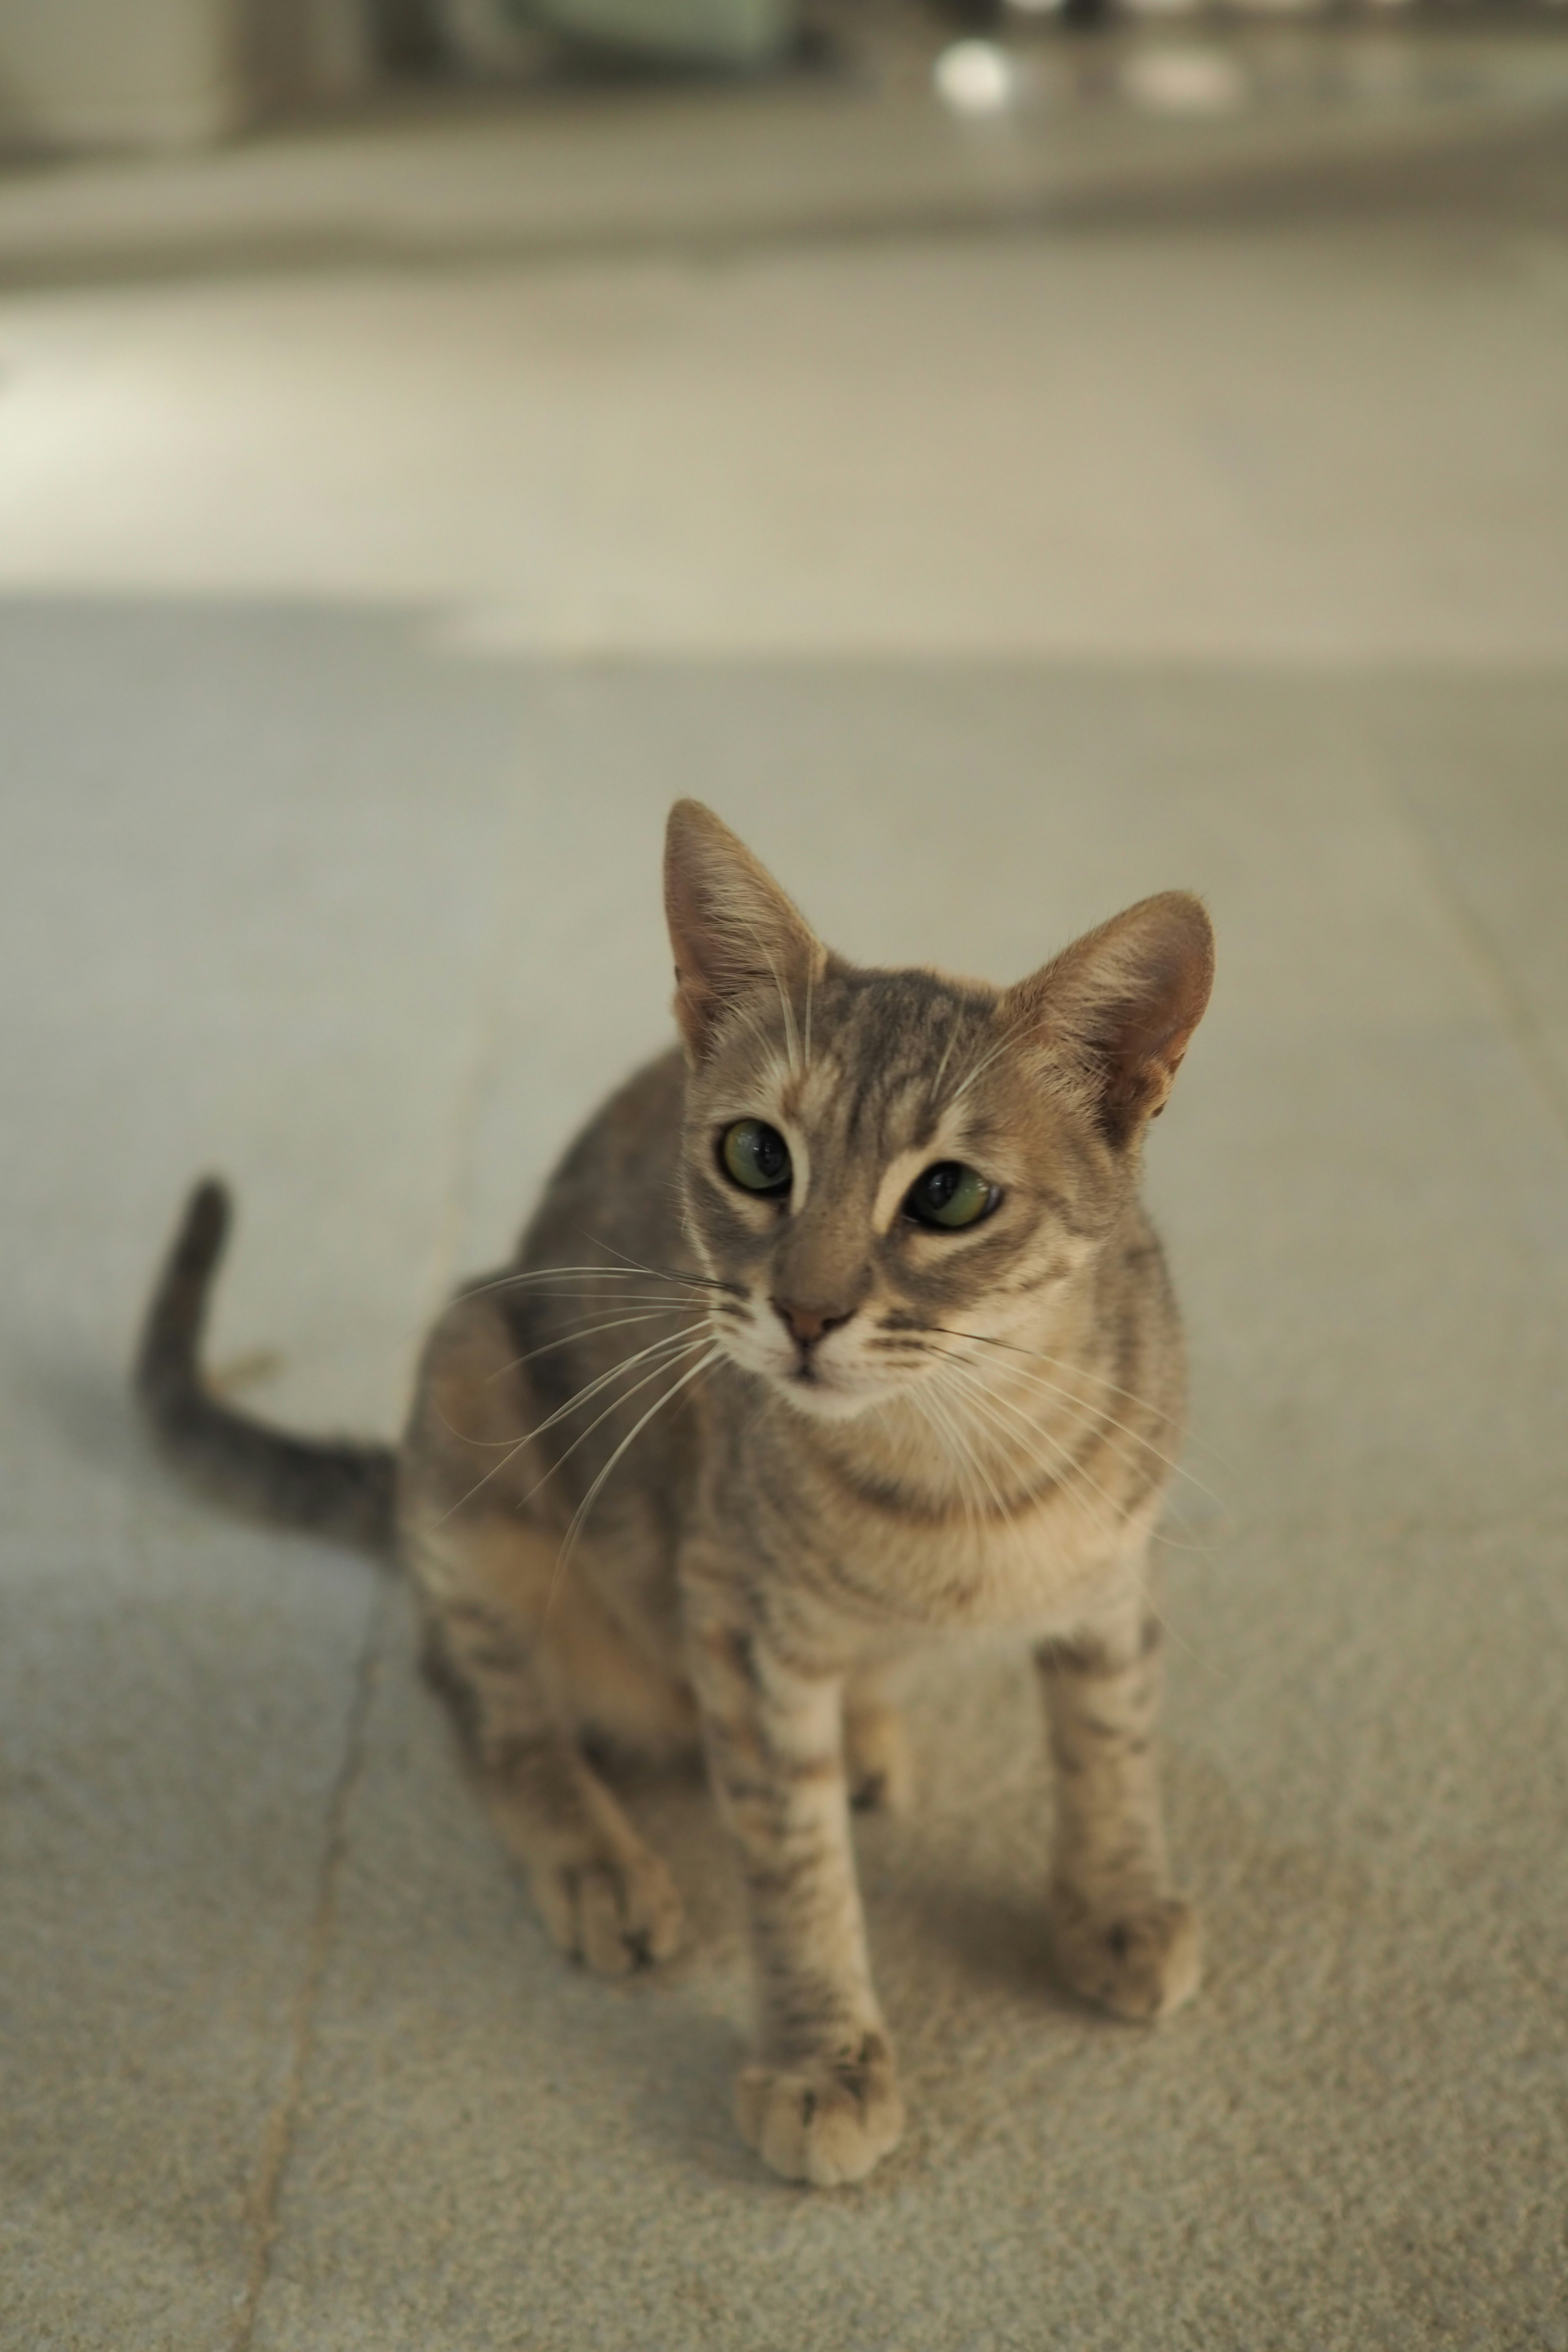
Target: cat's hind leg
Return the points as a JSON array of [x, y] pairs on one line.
[[876, 1759], [604, 1897], [528, 1652]]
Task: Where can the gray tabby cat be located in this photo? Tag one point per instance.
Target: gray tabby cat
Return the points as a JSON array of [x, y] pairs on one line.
[[879, 1232]]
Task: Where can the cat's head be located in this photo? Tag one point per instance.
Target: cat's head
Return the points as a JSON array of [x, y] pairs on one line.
[[877, 1159]]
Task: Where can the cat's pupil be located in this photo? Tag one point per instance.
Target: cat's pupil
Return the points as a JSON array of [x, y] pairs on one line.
[[755, 1156], [950, 1196], [769, 1154]]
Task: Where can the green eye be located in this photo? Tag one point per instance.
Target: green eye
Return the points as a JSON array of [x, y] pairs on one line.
[[755, 1156], [950, 1196]]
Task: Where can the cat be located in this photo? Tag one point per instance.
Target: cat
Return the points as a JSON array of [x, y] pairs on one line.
[[873, 1342]]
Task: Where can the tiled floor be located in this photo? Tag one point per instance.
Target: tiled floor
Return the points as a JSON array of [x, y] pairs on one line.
[[355, 637]]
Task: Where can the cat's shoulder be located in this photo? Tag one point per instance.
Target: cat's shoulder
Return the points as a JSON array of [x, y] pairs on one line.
[[616, 1178]]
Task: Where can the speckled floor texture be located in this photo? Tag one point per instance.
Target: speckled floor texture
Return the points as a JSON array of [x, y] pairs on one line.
[[336, 735]]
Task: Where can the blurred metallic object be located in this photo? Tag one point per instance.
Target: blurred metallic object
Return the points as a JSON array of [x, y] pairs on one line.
[[147, 74], [715, 32], [408, 36], [291, 52], [975, 77], [483, 38]]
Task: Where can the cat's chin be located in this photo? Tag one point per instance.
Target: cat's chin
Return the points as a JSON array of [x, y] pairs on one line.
[[817, 1402]]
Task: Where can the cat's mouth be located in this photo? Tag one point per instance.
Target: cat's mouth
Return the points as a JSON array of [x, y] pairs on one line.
[[821, 1390], [822, 1378], [824, 1390]]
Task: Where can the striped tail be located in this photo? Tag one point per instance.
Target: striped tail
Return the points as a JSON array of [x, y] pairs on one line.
[[331, 1486]]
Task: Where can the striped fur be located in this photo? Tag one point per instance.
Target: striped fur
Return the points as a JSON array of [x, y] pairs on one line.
[[704, 1465], [331, 1487]]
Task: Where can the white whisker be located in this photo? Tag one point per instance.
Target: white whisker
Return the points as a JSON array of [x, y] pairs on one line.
[[579, 1517], [1087, 1372], [664, 1273], [984, 1403], [934, 1413], [946, 1053], [675, 1340], [791, 1038], [590, 1330], [1072, 1471], [687, 1305], [576, 1275], [979, 1068]]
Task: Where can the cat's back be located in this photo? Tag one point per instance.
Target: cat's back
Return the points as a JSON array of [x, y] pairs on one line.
[[614, 1193], [605, 1305]]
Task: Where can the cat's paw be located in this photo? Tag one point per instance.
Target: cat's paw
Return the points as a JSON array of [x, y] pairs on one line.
[[825, 2120], [877, 1761], [613, 1912], [1141, 1962]]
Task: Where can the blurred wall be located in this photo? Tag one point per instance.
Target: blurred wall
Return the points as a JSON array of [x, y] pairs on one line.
[[169, 73]]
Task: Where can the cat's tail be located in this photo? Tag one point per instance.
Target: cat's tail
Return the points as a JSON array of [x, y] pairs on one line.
[[332, 1486]]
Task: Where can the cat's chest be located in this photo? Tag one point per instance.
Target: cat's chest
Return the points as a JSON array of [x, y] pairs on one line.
[[1028, 1569], [889, 1567]]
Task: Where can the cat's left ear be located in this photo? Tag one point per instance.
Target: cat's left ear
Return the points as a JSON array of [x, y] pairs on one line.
[[1121, 1003], [733, 932]]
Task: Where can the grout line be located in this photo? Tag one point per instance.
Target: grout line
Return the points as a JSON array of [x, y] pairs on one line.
[[277, 2142], [1517, 1019], [280, 2136]]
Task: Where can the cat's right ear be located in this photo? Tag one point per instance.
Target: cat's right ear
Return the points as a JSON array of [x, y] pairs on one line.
[[733, 932], [1121, 1003]]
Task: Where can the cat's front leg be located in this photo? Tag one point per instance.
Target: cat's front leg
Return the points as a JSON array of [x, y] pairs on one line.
[[1119, 1935], [820, 2101]]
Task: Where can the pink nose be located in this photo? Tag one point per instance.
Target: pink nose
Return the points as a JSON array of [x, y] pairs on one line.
[[807, 1324]]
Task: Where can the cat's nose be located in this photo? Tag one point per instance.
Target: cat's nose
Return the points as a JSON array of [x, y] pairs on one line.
[[808, 1324]]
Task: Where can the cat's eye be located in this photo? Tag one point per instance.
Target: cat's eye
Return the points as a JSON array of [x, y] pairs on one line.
[[755, 1156], [949, 1195]]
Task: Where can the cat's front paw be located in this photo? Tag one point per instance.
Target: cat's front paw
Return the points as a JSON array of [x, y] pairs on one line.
[[827, 2120], [1140, 1962]]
